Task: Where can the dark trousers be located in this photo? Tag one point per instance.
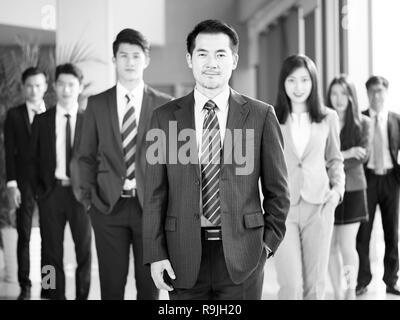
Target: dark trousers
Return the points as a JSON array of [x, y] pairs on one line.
[[114, 234], [55, 210], [214, 282], [24, 225], [383, 191]]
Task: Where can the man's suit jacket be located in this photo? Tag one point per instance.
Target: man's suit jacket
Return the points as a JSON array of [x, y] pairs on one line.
[[171, 216], [394, 140], [320, 168], [102, 169], [43, 146], [17, 133]]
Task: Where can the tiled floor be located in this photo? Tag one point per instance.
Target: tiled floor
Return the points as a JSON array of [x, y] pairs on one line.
[[10, 290]]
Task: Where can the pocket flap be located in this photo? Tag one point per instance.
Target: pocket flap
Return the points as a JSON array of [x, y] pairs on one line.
[[170, 224], [253, 220]]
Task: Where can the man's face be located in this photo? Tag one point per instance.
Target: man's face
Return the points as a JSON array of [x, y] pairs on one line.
[[34, 88], [130, 62], [67, 89], [212, 61], [377, 94]]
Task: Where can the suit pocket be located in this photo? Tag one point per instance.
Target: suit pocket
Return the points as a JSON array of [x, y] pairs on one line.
[[170, 224], [253, 220]]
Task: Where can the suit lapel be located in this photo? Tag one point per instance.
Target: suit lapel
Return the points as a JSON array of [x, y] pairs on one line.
[[78, 130], [145, 112], [184, 116], [112, 107], [393, 130], [237, 114], [25, 116], [52, 130]]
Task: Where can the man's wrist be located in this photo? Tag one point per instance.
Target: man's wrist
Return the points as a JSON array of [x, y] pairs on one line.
[[12, 184]]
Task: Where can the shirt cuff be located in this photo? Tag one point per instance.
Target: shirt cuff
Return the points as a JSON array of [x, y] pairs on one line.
[[12, 184], [268, 250]]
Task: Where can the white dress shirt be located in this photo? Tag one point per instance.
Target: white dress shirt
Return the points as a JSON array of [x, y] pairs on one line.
[[32, 111], [383, 124], [61, 125], [301, 131], [122, 102], [222, 102]]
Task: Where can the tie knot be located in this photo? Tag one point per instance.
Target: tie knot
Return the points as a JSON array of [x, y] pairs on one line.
[[210, 105], [67, 115], [129, 97]]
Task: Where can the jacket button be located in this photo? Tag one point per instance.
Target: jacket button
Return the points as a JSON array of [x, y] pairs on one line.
[[197, 182], [299, 165], [197, 216]]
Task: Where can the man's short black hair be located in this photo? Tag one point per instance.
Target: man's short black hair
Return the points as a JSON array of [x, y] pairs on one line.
[[212, 27], [131, 36], [33, 71], [374, 80], [69, 68]]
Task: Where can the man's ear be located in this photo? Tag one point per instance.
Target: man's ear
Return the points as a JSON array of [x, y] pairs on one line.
[[189, 60], [147, 61], [235, 61]]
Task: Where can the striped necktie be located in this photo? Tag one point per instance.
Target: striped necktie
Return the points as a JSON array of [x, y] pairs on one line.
[[378, 148], [129, 132], [210, 165]]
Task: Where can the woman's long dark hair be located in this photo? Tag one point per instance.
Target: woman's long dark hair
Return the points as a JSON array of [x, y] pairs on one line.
[[351, 131], [283, 105]]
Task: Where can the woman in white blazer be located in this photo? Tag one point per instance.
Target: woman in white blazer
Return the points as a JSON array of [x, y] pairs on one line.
[[316, 180], [354, 141]]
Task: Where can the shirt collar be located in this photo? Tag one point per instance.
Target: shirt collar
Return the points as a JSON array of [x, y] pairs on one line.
[[37, 109], [137, 92], [72, 111], [221, 100], [383, 114]]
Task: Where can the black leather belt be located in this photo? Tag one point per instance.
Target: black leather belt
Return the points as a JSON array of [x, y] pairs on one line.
[[63, 183], [383, 173], [128, 193], [212, 233]]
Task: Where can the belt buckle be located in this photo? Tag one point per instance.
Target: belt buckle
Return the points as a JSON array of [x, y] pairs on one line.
[[130, 193], [213, 234]]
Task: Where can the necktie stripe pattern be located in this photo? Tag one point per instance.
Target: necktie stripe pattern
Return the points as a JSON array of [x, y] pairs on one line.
[[378, 148], [129, 132], [210, 161]]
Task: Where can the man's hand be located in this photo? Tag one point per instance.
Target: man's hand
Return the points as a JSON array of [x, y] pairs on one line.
[[14, 197], [157, 273], [358, 152], [332, 197]]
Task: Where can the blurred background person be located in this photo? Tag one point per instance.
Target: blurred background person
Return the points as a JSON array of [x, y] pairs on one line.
[[354, 141], [383, 187], [17, 132], [55, 135], [316, 180]]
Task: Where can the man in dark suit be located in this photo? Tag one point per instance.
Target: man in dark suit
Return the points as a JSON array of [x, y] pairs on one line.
[[112, 167], [55, 137], [383, 187], [17, 134], [203, 221]]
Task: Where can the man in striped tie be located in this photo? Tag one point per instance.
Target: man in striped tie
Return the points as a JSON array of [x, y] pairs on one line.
[[205, 234], [112, 167]]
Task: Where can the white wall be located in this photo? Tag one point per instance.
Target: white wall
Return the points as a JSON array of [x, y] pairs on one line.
[[41, 13], [386, 46]]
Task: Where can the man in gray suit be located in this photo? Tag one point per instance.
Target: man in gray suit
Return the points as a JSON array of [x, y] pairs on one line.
[[112, 164], [204, 231]]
